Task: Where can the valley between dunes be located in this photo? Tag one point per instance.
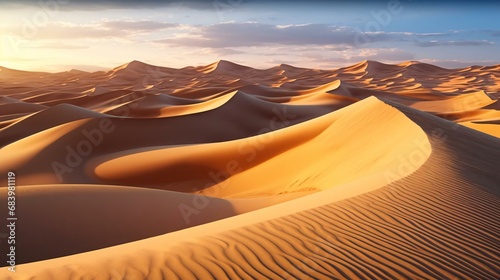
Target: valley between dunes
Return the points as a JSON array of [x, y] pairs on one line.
[[372, 171]]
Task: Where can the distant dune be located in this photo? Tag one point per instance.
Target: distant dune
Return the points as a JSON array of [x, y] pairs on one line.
[[371, 171]]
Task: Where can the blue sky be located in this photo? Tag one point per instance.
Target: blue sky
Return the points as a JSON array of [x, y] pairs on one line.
[[57, 35]]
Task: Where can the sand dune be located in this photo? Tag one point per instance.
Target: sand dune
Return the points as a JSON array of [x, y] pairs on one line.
[[403, 230], [457, 104], [118, 215], [20, 107], [372, 171], [43, 120], [186, 130], [272, 163]]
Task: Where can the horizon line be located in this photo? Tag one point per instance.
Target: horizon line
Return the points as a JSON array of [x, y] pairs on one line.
[[244, 65]]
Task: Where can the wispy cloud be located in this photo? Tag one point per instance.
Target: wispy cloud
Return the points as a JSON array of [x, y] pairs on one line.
[[257, 34], [102, 29], [233, 34], [223, 51], [86, 5], [59, 46], [355, 55], [454, 43], [495, 33], [141, 25]]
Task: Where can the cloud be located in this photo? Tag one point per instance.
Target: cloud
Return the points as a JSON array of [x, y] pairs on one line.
[[90, 5], [210, 4], [233, 34], [495, 33], [356, 55], [257, 34], [454, 43], [142, 25], [58, 30], [96, 30], [391, 54], [224, 51], [433, 34], [60, 46], [220, 52]]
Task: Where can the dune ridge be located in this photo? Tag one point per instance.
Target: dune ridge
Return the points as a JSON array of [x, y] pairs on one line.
[[383, 233], [371, 171]]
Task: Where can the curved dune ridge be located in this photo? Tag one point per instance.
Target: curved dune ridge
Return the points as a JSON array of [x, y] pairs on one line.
[[372, 171]]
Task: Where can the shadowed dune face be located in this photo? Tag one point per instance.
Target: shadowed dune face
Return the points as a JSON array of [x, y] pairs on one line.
[[217, 171], [79, 218]]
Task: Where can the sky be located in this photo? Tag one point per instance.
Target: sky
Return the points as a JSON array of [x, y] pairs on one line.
[[59, 35]]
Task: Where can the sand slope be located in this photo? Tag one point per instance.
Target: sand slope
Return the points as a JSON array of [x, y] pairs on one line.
[[117, 215], [407, 229], [371, 171]]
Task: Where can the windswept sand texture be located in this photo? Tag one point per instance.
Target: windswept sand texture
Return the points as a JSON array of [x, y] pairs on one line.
[[372, 171]]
